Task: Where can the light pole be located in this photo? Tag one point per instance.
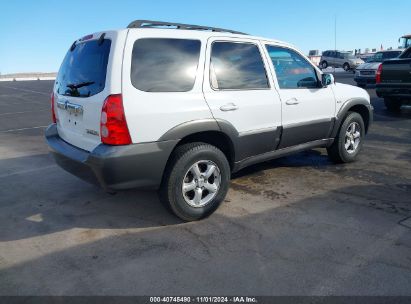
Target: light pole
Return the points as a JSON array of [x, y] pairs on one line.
[[335, 32]]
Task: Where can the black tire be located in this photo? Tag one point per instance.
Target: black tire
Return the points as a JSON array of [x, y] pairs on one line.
[[346, 67], [183, 158], [361, 85], [337, 151], [324, 64], [392, 105]]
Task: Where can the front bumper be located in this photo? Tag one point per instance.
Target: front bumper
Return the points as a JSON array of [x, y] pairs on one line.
[[113, 167]]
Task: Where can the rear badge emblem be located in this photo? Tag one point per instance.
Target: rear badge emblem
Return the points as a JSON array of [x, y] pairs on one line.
[[92, 132], [70, 107]]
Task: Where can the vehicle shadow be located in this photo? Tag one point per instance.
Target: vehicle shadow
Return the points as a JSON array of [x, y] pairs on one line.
[[311, 158], [381, 114], [38, 198], [324, 244]]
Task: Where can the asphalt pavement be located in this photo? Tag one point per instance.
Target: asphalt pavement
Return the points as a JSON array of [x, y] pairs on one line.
[[298, 225]]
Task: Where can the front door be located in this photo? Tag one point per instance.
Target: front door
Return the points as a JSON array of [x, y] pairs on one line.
[[308, 108]]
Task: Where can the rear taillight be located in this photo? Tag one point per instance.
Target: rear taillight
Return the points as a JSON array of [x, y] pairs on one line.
[[53, 111], [378, 75], [113, 124]]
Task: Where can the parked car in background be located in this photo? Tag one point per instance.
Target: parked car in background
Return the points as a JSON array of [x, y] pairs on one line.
[[394, 81], [338, 59], [365, 73]]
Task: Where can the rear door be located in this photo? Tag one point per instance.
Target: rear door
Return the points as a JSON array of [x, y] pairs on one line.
[[239, 91], [83, 83]]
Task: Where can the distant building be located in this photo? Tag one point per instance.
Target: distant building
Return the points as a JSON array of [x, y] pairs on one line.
[[314, 56]]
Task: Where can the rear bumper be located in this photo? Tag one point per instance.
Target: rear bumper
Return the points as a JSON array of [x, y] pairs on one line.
[[113, 167], [395, 91], [364, 80]]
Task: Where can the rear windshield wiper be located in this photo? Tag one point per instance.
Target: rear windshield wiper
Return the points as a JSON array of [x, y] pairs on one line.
[[79, 85]]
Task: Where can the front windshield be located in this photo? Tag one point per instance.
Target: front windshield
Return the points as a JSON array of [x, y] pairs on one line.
[[370, 59]]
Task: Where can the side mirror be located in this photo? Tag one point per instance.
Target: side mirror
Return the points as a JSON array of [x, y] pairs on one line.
[[327, 79]]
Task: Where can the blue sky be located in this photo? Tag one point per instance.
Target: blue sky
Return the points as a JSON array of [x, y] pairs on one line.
[[35, 34]]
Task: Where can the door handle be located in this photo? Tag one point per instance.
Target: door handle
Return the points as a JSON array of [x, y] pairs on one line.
[[229, 107], [292, 101]]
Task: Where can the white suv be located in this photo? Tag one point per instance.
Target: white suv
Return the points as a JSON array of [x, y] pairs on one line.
[[180, 107]]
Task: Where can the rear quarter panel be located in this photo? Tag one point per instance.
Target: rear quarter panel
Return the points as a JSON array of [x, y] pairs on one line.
[[151, 114]]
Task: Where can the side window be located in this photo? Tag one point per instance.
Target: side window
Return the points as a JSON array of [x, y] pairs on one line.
[[406, 54], [164, 65], [237, 66], [292, 70], [326, 54]]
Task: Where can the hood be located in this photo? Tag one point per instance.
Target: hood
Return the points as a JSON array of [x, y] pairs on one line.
[[369, 66], [344, 92]]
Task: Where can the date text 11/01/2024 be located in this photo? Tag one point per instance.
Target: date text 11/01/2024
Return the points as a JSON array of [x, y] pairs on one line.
[[238, 299]]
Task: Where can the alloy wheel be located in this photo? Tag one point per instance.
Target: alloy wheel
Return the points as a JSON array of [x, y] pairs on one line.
[[201, 183], [352, 137]]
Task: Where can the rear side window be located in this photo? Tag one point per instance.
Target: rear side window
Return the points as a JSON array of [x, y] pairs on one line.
[[164, 65], [406, 53], [292, 70], [237, 66], [83, 71]]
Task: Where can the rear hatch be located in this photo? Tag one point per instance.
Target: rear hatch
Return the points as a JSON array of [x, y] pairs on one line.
[[80, 91]]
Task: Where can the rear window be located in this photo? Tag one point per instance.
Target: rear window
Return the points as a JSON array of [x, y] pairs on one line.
[[164, 65], [83, 71]]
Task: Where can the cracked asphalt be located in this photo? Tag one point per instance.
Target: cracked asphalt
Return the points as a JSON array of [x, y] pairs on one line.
[[298, 225]]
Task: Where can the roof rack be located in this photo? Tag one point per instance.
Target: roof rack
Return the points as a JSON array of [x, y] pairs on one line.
[[181, 26]]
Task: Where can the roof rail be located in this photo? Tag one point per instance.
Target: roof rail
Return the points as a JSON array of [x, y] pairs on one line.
[[181, 26]]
